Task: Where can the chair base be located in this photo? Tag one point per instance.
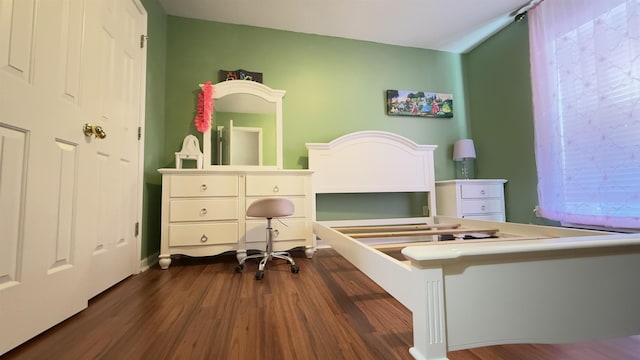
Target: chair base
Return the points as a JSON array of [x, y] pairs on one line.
[[265, 257]]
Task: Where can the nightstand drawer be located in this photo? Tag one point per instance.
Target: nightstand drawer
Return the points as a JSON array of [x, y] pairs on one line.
[[481, 206], [202, 234], [204, 185], [265, 185], [474, 191], [203, 210]]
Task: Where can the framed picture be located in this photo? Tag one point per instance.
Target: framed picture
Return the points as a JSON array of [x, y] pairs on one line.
[[419, 103]]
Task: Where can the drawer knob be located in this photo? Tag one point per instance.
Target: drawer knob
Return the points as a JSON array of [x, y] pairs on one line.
[[276, 189], [483, 208], [203, 212], [204, 238], [482, 192], [203, 187], [276, 232]]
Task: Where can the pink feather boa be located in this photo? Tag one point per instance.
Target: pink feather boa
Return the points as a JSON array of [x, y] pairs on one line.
[[205, 108]]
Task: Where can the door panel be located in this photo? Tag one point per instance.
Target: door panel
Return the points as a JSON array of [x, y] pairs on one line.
[[118, 111], [43, 276], [64, 178], [16, 26], [13, 168], [64, 197], [71, 50]]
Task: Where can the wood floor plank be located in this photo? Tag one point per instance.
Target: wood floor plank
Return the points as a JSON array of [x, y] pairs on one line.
[[201, 309]]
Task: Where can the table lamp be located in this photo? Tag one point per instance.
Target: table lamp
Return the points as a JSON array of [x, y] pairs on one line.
[[463, 154]]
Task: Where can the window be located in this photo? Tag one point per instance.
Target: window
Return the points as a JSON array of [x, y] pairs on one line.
[[585, 69]]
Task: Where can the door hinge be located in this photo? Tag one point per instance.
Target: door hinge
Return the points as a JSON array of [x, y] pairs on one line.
[[143, 38], [137, 229], [139, 132]]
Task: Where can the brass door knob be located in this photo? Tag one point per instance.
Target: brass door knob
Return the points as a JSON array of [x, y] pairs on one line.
[[98, 131], [87, 129]]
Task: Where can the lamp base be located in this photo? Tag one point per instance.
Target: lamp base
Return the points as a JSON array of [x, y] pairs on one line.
[[464, 169]]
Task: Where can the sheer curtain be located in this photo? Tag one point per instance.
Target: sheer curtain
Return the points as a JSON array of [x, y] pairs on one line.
[[585, 70]]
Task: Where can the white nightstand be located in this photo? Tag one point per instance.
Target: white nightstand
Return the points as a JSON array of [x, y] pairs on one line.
[[479, 199]]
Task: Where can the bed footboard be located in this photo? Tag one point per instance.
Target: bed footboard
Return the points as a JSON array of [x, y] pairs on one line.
[[535, 291], [479, 293]]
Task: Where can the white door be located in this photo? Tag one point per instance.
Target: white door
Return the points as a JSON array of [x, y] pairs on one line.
[[245, 145], [117, 110], [49, 85]]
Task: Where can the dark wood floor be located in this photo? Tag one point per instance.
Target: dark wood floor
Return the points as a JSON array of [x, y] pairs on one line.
[[201, 309]]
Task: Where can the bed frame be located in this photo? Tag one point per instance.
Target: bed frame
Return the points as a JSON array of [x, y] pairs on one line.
[[532, 284]]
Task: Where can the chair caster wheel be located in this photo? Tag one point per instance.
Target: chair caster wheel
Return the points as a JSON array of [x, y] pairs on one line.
[[259, 275], [295, 269], [239, 268]]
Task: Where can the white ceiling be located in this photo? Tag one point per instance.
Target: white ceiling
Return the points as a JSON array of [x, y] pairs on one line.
[[448, 25]]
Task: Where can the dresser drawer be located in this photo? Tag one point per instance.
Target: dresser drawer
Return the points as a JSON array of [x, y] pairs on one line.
[[299, 203], [203, 210], [203, 234], [473, 191], [275, 185], [293, 230], [204, 185], [481, 206]]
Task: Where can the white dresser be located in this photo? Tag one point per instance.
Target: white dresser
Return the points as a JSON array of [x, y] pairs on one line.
[[479, 199], [203, 211]]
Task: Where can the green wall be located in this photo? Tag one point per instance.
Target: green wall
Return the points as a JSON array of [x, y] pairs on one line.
[[336, 86], [154, 128], [498, 85]]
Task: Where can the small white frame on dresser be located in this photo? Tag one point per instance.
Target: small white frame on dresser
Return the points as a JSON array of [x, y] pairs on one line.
[[534, 284]]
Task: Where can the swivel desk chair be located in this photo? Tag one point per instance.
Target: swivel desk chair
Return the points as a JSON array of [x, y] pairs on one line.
[[269, 208]]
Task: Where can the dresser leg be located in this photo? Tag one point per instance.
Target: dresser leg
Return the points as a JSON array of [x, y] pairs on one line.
[[309, 251], [164, 261], [240, 255]]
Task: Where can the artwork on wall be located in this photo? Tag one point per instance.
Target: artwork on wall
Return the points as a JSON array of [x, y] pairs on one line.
[[419, 103], [226, 75]]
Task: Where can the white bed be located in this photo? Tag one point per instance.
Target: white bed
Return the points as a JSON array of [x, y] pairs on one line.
[[533, 284]]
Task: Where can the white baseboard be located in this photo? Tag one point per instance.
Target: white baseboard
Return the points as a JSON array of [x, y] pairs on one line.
[[322, 245], [148, 262]]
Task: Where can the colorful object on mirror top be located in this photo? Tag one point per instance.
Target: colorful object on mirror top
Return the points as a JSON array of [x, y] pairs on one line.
[[205, 108], [240, 74]]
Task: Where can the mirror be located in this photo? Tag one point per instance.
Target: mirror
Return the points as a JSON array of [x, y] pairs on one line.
[[244, 107], [245, 145]]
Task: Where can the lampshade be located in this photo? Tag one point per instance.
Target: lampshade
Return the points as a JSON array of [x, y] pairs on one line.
[[464, 149]]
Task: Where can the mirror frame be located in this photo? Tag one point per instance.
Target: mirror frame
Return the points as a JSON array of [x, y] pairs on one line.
[[260, 94]]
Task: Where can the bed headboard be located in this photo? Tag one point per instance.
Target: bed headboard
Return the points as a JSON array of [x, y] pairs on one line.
[[371, 162]]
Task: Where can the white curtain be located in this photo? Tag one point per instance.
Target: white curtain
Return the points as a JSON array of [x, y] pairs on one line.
[[585, 70]]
